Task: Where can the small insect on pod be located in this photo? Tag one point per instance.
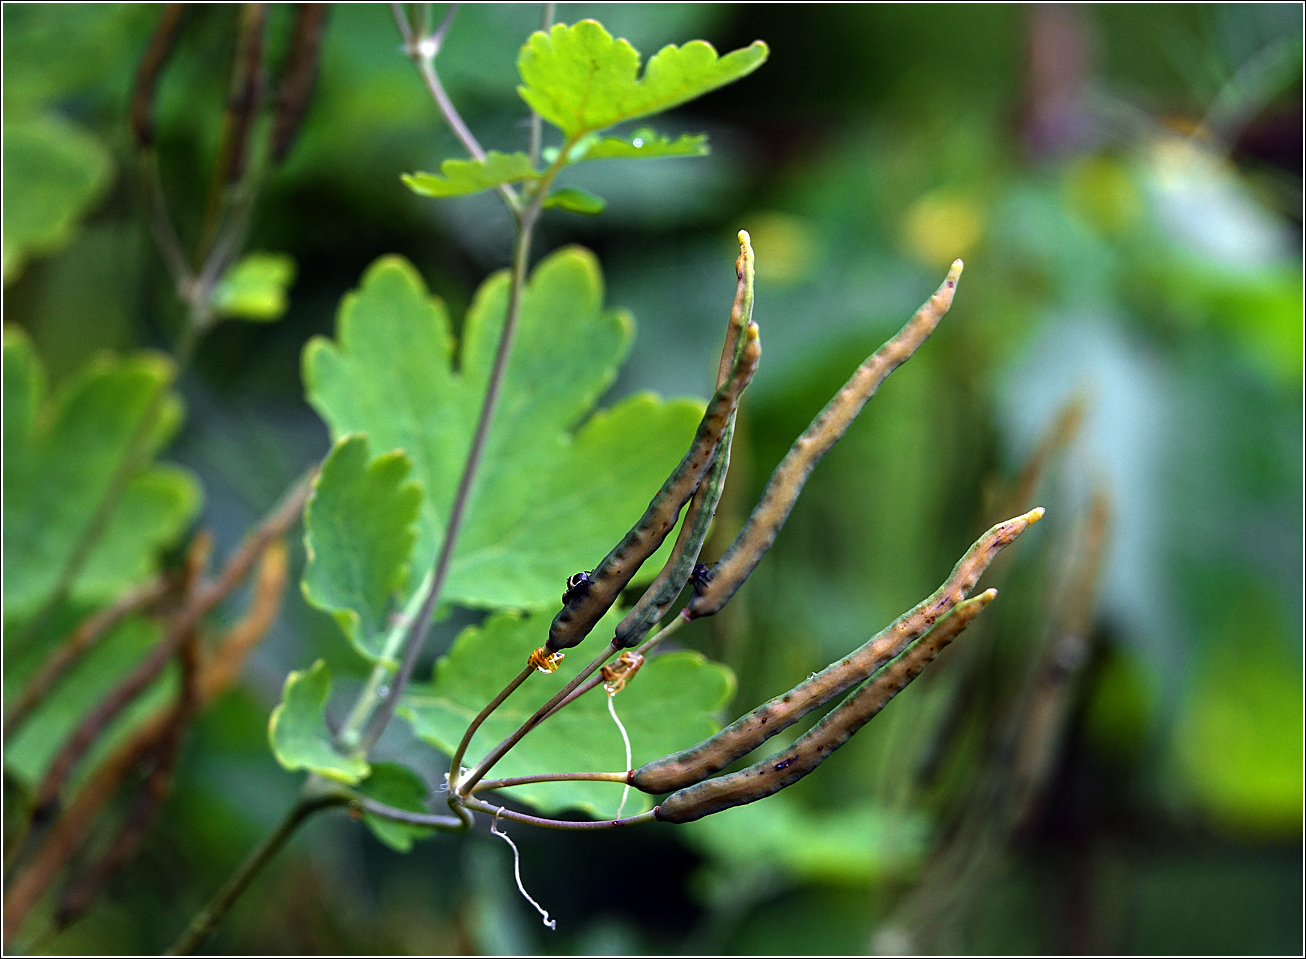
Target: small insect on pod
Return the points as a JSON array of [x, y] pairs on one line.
[[577, 585]]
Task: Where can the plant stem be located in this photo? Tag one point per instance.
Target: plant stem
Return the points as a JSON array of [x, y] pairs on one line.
[[583, 688], [465, 786], [69, 653], [486, 784], [537, 125], [499, 811], [422, 623], [197, 607], [394, 814], [312, 800], [455, 765]]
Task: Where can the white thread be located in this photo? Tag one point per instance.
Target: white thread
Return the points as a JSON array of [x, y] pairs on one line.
[[612, 710], [516, 871]]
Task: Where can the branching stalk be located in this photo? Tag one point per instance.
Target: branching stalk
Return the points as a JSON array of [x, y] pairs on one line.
[[465, 785], [579, 826], [187, 619], [487, 784], [312, 801]]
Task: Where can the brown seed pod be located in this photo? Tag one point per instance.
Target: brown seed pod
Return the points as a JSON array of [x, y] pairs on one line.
[[753, 541], [751, 730], [790, 765], [575, 620]]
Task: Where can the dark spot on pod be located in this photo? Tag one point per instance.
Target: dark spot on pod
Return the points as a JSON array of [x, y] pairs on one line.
[[784, 763], [951, 284], [764, 719], [786, 698]]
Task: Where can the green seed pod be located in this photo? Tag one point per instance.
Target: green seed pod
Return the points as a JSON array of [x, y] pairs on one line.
[[782, 490], [790, 765], [751, 730], [610, 577], [662, 592]]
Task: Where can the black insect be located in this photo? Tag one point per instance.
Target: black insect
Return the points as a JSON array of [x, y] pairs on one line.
[[577, 585], [700, 577]]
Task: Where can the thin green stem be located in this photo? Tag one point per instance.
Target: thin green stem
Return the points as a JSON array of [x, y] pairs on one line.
[[486, 784], [455, 764], [593, 681], [417, 631], [313, 799], [537, 125], [394, 814], [668, 630], [422, 51], [567, 824], [465, 786]]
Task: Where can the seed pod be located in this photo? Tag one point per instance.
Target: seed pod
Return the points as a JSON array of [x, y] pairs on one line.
[[298, 77], [750, 731], [831, 423], [662, 592], [790, 765], [609, 578], [147, 74]]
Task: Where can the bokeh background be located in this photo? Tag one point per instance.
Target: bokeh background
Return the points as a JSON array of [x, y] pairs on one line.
[[1111, 763]]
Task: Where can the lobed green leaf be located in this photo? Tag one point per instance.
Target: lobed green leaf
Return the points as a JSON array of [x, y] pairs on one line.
[[61, 456], [673, 699], [551, 496], [53, 173], [359, 531], [582, 80], [298, 733], [464, 177]]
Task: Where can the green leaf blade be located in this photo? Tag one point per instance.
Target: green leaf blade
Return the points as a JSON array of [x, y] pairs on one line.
[[670, 704], [391, 374], [582, 80], [574, 200], [54, 172], [465, 177], [298, 733], [646, 144], [359, 534], [254, 288], [61, 464], [28, 753], [398, 786]]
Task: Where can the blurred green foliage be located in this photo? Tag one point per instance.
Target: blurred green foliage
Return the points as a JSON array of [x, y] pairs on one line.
[[1116, 249]]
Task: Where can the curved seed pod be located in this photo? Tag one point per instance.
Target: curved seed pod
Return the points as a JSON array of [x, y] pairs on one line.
[[152, 62], [751, 730], [299, 76], [246, 94], [741, 311], [609, 578], [790, 765], [662, 592], [787, 481]]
